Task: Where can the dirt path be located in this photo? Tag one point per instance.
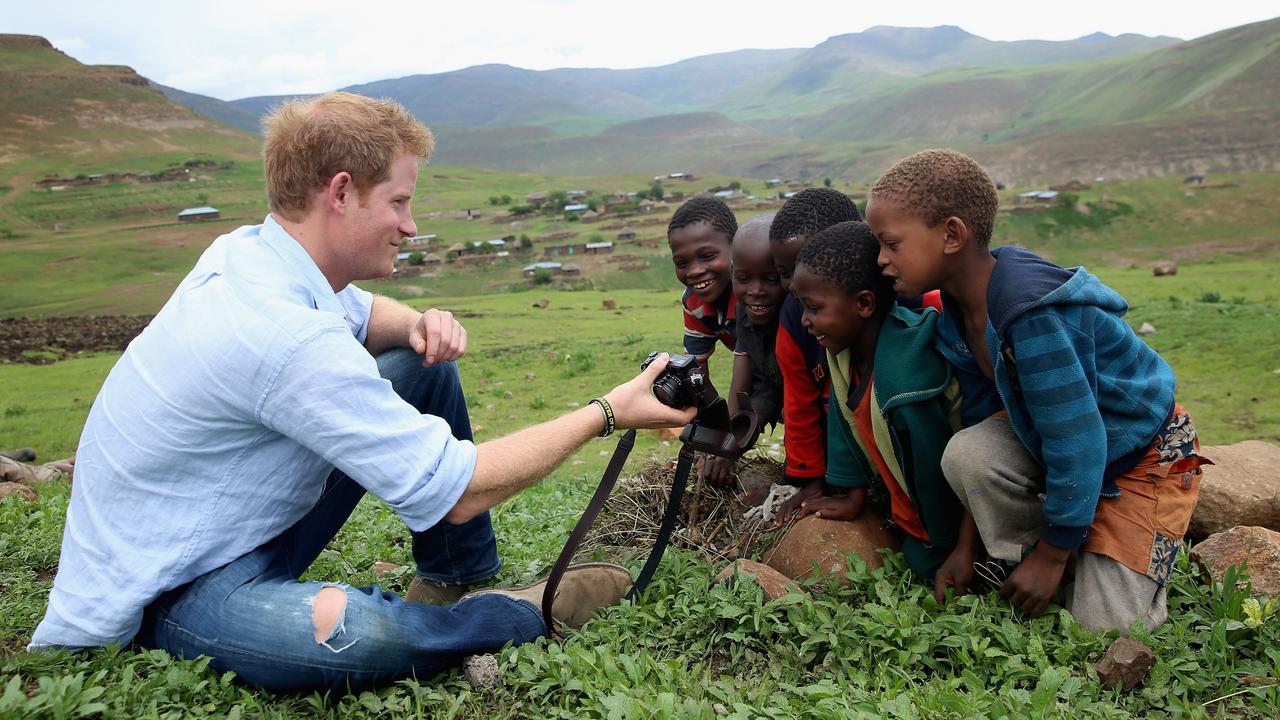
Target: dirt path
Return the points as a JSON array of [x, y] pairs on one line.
[[40, 341]]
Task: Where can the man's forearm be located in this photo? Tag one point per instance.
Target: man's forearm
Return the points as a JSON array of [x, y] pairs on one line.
[[389, 325], [507, 465]]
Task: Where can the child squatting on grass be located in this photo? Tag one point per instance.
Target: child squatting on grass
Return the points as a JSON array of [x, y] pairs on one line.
[[759, 294], [1077, 468], [700, 236], [802, 361], [894, 403]]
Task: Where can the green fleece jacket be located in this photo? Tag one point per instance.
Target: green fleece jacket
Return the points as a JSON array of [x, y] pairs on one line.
[[915, 403]]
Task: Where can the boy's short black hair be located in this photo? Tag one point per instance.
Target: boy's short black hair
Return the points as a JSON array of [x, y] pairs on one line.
[[938, 184], [845, 255], [811, 210], [704, 209]]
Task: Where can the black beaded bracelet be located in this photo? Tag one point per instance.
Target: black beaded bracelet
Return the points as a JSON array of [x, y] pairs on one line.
[[608, 416]]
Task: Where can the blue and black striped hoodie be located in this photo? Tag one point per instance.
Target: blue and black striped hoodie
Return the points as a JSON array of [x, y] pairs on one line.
[[1085, 394]]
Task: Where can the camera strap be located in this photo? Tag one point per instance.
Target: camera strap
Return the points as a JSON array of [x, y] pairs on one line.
[[628, 440]]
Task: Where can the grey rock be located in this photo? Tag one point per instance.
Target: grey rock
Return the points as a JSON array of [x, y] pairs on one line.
[[481, 671]]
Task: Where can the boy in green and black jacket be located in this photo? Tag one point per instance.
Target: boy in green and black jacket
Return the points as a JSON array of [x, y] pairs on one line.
[[894, 404]]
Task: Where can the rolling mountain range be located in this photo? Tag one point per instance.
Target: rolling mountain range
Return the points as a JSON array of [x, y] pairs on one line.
[[1033, 111]]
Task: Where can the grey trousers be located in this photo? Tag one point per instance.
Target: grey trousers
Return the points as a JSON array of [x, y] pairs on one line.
[[999, 482]]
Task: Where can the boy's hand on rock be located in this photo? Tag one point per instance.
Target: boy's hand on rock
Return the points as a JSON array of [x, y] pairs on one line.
[[848, 507], [956, 572], [718, 471], [1031, 585], [810, 491]]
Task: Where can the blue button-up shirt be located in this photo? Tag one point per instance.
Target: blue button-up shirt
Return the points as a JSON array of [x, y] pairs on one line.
[[216, 429]]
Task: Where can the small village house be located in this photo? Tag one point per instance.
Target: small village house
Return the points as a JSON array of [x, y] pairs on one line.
[[564, 249], [197, 214], [597, 248], [551, 266], [626, 233]]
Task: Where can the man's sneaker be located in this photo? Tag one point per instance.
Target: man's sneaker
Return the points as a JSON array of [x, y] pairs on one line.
[[432, 593], [583, 590]]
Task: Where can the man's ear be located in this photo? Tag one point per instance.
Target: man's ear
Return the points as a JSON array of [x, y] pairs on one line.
[[340, 193], [864, 303], [956, 235]]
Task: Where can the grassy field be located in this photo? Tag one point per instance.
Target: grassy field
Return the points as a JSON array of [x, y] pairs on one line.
[[878, 648]]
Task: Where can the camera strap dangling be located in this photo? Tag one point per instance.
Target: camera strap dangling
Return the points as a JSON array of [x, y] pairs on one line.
[[712, 431], [684, 464]]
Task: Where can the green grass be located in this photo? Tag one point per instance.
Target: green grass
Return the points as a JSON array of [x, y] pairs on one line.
[[879, 647]]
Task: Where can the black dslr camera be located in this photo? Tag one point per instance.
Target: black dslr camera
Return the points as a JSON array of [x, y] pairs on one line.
[[683, 384]]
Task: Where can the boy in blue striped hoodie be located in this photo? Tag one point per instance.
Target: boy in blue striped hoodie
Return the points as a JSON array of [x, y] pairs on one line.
[[1077, 468]]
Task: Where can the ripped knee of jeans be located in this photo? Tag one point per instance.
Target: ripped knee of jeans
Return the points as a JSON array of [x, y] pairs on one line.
[[329, 616]]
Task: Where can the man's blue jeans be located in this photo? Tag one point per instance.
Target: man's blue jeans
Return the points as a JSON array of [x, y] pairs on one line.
[[253, 616]]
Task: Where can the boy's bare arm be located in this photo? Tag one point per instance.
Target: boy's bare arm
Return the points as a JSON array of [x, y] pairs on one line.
[[507, 465]]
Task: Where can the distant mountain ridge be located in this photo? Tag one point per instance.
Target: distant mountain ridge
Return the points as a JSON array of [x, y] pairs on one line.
[[1032, 110], [734, 83]]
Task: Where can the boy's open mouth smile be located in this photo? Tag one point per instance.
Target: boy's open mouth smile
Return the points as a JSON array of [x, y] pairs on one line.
[[759, 309], [702, 285]]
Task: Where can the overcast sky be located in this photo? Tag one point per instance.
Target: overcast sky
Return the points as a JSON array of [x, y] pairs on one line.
[[237, 48]]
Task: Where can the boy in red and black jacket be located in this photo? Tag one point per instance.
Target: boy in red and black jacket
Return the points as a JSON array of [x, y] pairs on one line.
[[801, 358], [699, 235]]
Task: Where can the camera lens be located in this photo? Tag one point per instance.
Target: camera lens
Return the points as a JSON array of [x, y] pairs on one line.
[[667, 389]]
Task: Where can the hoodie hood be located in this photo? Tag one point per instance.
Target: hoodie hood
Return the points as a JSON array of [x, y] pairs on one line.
[[1023, 280]]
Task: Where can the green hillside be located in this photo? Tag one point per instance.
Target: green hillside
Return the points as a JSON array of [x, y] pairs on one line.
[[746, 84], [59, 117], [1205, 104]]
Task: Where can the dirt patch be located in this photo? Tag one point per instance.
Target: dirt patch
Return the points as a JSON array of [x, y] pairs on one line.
[[40, 341]]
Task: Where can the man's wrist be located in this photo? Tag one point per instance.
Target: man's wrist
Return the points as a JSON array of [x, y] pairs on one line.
[[606, 410]]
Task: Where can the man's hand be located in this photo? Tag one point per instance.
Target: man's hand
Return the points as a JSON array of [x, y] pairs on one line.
[[718, 470], [1032, 584], [956, 572], [438, 337], [813, 489], [634, 405]]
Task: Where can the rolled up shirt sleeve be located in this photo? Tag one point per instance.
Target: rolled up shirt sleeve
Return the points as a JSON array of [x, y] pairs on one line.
[[328, 396], [358, 305]]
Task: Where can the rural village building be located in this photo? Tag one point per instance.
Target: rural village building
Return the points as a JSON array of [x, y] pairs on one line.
[[529, 270], [196, 214]]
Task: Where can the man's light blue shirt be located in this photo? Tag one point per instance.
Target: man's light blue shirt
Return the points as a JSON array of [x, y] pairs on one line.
[[216, 429]]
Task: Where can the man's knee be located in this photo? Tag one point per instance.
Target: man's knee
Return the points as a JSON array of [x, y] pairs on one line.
[[328, 614], [411, 381]]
